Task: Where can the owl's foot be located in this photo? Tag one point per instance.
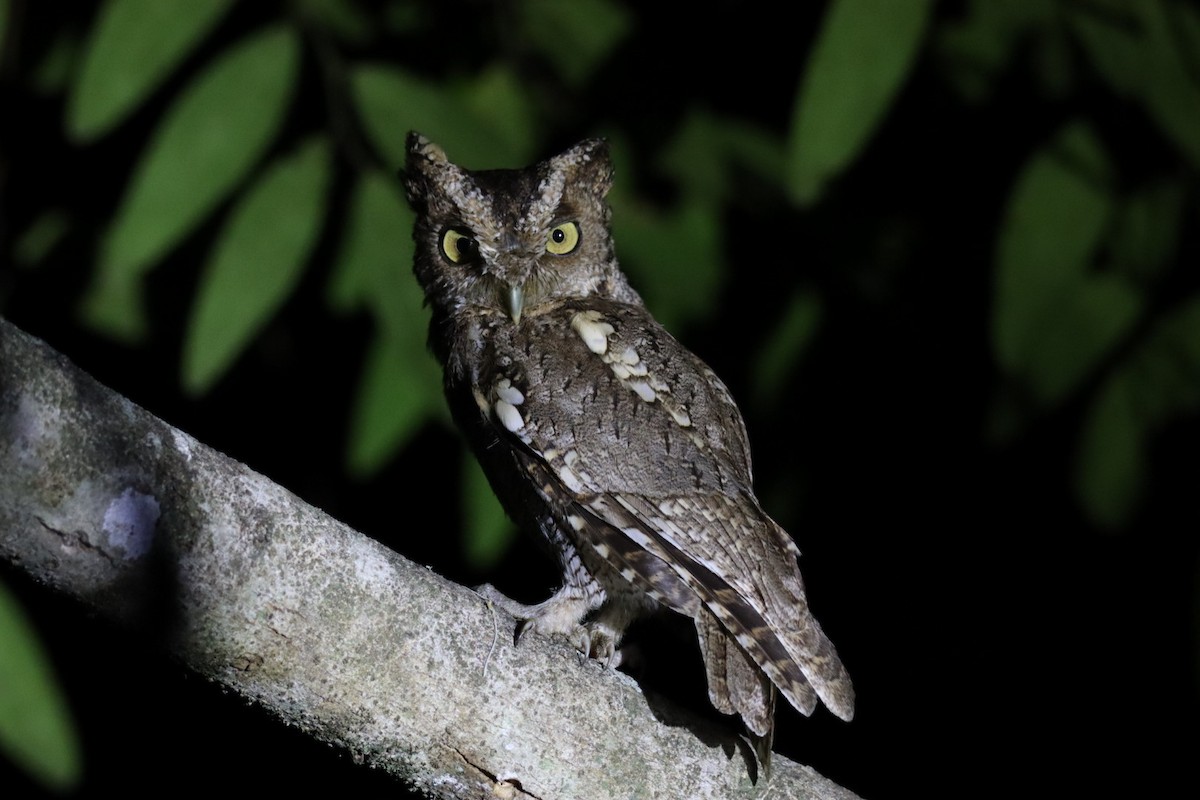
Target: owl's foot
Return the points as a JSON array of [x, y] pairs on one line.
[[560, 616], [600, 642], [607, 627]]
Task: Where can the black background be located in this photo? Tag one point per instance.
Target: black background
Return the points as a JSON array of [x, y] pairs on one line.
[[999, 644]]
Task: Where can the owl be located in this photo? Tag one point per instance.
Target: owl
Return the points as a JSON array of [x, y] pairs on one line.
[[604, 436]]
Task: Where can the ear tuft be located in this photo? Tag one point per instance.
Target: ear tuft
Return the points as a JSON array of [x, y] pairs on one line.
[[423, 155], [592, 162]]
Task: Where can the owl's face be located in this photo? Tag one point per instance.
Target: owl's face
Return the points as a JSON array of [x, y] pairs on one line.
[[511, 241]]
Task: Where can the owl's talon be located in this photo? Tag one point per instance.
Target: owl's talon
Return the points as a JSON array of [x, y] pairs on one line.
[[583, 644]]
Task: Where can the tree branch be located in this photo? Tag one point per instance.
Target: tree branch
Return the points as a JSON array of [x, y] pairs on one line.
[[325, 627]]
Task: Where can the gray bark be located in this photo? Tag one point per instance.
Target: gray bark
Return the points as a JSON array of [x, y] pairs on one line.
[[325, 627]]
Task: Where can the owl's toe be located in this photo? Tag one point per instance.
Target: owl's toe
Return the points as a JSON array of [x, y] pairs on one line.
[[601, 644]]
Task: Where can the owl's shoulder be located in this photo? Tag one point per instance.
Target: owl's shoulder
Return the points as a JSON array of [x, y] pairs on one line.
[[605, 380]]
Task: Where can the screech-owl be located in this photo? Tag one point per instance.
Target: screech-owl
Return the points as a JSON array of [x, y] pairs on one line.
[[601, 433]]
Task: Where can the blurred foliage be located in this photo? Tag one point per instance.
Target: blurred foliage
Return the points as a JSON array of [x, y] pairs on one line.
[[35, 724], [862, 56], [270, 136]]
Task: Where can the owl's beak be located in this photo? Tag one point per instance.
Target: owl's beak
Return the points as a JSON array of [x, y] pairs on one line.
[[516, 301]]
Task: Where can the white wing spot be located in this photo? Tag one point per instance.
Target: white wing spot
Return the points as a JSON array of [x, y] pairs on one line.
[[680, 415], [643, 391], [628, 356], [568, 477], [627, 365], [509, 393], [593, 330], [508, 415], [576, 522]]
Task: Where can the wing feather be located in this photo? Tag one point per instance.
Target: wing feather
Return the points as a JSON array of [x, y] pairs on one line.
[[692, 537]]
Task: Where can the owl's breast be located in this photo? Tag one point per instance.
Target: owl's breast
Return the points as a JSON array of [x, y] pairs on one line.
[[612, 401]]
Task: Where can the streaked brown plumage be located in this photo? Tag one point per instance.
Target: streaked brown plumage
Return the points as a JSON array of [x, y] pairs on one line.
[[599, 431]]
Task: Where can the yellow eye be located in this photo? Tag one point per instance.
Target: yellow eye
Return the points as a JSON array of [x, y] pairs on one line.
[[563, 239], [459, 247]]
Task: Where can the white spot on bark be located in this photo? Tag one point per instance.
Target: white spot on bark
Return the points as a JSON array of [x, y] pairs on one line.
[[371, 567], [183, 443], [130, 522]]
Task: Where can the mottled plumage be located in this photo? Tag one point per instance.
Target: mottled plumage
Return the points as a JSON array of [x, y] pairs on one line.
[[603, 434]]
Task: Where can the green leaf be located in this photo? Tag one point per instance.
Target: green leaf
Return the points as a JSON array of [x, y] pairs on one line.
[[344, 19], [488, 530], [478, 122], [55, 64], [704, 155], [1053, 316], [377, 251], [1165, 370], [786, 345], [374, 267], [1146, 51], [1073, 337], [401, 384], [695, 157], [210, 139], [757, 149], [40, 238], [977, 46], [863, 54], [36, 730], [673, 258], [1171, 91], [1111, 462], [1146, 236], [258, 260], [498, 104], [396, 395], [575, 35], [133, 47], [1158, 382]]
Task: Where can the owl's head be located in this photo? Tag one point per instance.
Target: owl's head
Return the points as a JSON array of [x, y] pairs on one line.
[[512, 240]]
